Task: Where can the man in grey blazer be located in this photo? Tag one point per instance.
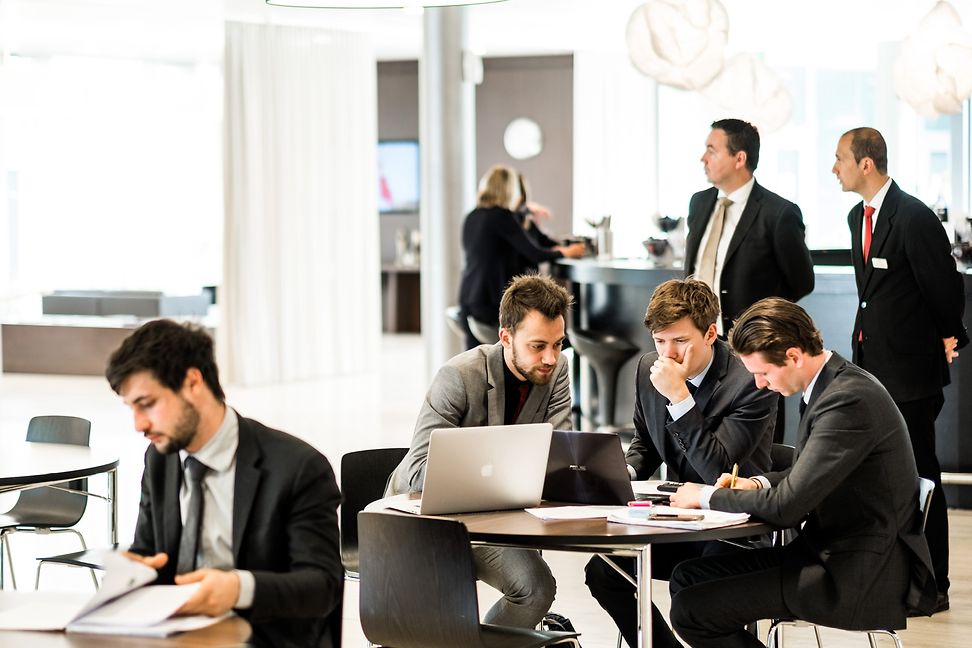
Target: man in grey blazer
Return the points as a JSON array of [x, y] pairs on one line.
[[860, 561], [521, 379], [698, 411]]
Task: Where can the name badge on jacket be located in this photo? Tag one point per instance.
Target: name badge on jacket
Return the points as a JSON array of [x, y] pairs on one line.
[[879, 263]]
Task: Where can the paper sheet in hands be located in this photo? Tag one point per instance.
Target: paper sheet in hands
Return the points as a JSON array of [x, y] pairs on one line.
[[124, 604]]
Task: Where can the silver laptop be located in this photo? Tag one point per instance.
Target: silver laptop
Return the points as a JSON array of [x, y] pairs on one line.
[[483, 469]]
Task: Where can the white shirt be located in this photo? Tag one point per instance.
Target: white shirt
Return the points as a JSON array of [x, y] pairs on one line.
[[215, 547], [876, 203], [739, 198], [707, 491]]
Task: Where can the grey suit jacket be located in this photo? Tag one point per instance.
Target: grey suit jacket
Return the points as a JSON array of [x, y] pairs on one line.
[[468, 391], [860, 560], [732, 422]]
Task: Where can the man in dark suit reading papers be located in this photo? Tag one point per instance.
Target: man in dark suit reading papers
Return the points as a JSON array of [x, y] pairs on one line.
[[859, 561], [247, 512]]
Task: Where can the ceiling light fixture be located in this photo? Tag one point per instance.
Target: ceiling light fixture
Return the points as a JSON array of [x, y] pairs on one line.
[[375, 4]]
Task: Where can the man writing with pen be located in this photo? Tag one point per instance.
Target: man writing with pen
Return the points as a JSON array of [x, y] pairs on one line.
[[697, 411], [859, 561]]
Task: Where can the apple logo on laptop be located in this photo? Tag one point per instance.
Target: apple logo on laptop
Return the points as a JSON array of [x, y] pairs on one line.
[[486, 471]]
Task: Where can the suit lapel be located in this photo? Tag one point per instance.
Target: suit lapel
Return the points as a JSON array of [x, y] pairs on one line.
[[248, 457], [712, 380], [172, 507], [857, 246], [745, 221], [885, 223], [827, 375], [495, 386], [697, 229]]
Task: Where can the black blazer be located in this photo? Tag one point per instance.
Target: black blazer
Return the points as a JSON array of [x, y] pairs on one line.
[[496, 248], [284, 531], [767, 255], [732, 422], [907, 307], [860, 560]]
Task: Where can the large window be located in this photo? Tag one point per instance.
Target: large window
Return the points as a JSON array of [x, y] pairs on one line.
[[113, 174], [837, 81]]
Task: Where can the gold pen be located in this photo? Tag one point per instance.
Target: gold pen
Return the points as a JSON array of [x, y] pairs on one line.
[[735, 473]]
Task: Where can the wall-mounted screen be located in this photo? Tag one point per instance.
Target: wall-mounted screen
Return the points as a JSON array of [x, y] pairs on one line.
[[398, 176]]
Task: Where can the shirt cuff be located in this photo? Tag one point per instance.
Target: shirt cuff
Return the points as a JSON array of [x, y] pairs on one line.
[[247, 589], [705, 495], [631, 472], [763, 482], [680, 409]]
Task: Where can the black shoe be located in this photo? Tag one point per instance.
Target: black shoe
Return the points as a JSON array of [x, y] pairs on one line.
[[941, 603]]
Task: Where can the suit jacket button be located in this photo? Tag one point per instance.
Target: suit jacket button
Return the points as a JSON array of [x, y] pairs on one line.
[[864, 304]]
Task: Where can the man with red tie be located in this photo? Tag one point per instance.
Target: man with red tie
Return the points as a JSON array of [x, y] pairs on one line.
[[909, 313]]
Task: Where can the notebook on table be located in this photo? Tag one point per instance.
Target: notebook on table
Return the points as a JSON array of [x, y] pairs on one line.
[[587, 468], [488, 468]]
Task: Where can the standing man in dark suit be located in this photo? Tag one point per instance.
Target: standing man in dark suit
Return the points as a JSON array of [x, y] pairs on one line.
[[744, 241], [247, 512], [909, 314], [698, 411], [859, 561]]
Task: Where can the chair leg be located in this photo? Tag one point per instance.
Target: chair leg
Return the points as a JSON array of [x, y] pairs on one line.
[[6, 545], [774, 637]]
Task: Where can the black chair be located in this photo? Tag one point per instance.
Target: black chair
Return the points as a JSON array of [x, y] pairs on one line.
[[484, 332], [49, 509], [774, 638], [363, 477], [88, 559], [607, 354], [418, 588]]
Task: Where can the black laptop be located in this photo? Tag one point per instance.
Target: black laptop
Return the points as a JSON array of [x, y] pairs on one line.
[[587, 468]]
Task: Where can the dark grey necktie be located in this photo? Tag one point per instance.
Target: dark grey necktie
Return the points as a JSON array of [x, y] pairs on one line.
[[803, 407], [189, 541]]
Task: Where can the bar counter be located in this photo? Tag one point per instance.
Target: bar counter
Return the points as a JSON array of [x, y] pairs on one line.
[[612, 295]]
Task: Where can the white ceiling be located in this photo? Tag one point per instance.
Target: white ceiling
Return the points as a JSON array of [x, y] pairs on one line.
[[192, 29]]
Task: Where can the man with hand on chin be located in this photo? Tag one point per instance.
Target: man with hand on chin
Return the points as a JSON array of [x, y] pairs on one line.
[[698, 411], [247, 512], [860, 560]]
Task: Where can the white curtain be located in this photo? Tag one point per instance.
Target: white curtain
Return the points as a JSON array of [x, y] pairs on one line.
[[301, 285]]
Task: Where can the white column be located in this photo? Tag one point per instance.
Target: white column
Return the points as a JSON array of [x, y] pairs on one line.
[[447, 138]]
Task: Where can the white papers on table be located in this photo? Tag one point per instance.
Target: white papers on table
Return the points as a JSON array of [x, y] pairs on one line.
[[124, 604], [572, 512], [654, 516]]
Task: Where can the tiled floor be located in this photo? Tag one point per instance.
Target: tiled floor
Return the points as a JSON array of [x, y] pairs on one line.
[[337, 416]]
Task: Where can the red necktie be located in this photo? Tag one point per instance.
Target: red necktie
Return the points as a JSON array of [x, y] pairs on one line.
[[868, 226]]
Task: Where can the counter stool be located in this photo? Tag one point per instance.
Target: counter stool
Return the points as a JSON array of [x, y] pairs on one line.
[[453, 316], [485, 333], [607, 354]]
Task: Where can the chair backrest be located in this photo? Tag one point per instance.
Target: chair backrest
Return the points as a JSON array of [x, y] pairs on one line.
[[926, 488], [482, 331], [781, 456], [363, 477], [454, 320], [418, 582], [71, 430]]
